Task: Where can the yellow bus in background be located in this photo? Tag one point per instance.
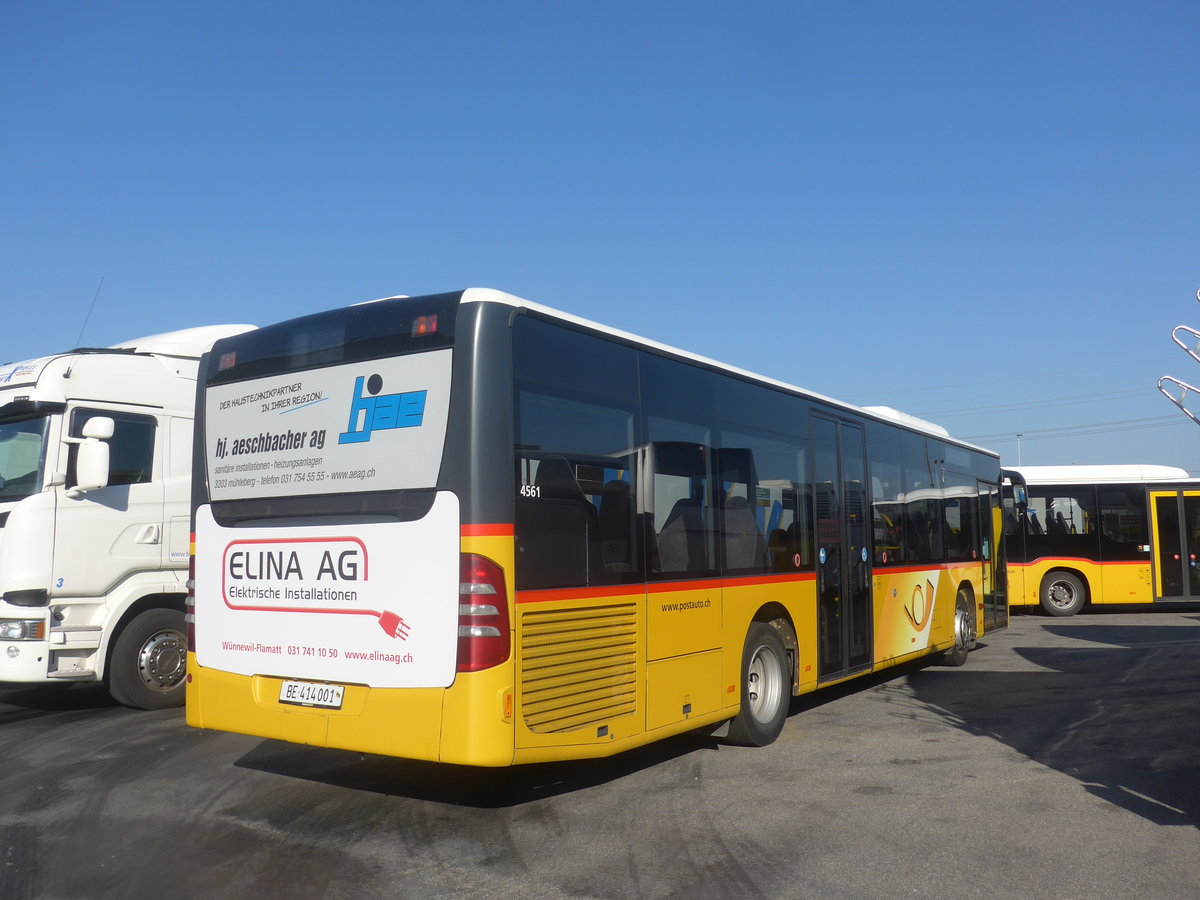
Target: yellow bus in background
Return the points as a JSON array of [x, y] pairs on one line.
[[1080, 535], [471, 529]]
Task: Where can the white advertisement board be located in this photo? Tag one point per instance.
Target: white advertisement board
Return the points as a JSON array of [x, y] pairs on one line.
[[375, 425], [373, 604]]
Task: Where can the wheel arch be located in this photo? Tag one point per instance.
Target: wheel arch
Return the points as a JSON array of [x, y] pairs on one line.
[[158, 600], [967, 587], [777, 615]]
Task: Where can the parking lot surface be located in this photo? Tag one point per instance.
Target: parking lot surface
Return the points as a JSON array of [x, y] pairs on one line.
[[1060, 762]]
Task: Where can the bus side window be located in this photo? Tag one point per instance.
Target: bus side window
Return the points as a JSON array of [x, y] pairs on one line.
[[555, 523]]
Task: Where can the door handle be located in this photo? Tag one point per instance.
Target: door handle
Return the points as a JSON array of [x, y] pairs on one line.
[[150, 534]]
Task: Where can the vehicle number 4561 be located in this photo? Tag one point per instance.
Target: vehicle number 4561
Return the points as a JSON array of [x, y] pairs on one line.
[[531, 490]]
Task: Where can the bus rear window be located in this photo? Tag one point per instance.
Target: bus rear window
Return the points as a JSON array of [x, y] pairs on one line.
[[367, 331]]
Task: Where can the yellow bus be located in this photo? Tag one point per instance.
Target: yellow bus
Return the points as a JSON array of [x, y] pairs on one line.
[[471, 529], [1080, 535]]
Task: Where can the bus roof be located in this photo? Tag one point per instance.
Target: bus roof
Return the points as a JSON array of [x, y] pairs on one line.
[[1099, 474], [879, 413]]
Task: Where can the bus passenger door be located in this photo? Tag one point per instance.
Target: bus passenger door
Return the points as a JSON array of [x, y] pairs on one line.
[[1175, 533], [995, 597], [844, 626]]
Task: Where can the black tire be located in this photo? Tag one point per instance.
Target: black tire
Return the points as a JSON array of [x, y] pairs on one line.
[[147, 665], [766, 688], [1062, 594], [964, 631]]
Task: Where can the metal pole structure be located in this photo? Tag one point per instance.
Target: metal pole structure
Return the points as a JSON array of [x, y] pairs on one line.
[[1019, 433]]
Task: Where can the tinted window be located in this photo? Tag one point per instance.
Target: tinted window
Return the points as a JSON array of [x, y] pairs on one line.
[[678, 405], [1062, 521], [1123, 530], [963, 528], [130, 449], [576, 520], [764, 483], [887, 495], [366, 331]]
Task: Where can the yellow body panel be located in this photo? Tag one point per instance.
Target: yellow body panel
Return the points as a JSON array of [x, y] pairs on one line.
[[1114, 582]]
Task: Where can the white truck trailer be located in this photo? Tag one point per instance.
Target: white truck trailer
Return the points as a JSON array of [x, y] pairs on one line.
[[95, 473]]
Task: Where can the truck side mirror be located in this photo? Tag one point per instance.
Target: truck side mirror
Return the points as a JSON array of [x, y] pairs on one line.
[[91, 464]]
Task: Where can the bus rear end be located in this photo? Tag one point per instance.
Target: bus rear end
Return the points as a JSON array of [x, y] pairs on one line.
[[338, 599]]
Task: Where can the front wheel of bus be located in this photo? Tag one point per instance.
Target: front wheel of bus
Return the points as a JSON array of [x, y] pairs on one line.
[[1062, 594], [147, 665], [766, 688]]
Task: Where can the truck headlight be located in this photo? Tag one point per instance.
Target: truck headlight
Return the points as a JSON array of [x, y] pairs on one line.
[[22, 629]]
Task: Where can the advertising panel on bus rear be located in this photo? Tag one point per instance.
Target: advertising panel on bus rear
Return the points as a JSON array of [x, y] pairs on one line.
[[373, 604], [367, 426]]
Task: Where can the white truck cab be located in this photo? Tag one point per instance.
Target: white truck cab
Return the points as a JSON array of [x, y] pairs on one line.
[[95, 472]]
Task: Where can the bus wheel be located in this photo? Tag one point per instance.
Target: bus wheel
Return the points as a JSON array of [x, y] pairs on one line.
[[964, 631], [147, 665], [766, 688], [1062, 594]]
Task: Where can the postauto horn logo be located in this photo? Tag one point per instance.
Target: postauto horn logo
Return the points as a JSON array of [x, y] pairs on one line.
[[378, 412]]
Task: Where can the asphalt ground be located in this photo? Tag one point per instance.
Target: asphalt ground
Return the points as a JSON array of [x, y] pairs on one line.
[[1060, 762]]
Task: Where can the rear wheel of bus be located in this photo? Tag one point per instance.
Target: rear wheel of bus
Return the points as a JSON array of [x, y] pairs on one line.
[[148, 661], [1062, 594], [766, 688]]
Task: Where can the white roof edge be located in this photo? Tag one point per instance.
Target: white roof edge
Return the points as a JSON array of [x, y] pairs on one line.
[[190, 343], [490, 295], [1088, 474], [887, 412]]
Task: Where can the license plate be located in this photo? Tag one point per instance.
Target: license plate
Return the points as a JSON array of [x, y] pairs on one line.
[[308, 693]]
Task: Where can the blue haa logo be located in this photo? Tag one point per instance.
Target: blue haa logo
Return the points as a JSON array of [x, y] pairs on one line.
[[378, 412]]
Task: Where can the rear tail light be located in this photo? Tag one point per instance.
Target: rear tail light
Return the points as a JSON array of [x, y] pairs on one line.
[[190, 603], [484, 635]]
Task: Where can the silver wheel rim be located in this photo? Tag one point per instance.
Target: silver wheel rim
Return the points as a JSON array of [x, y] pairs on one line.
[[162, 660], [764, 684], [1061, 594], [962, 628]]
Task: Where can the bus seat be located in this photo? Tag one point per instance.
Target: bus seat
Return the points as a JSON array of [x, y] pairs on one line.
[[743, 542], [613, 524], [681, 540]]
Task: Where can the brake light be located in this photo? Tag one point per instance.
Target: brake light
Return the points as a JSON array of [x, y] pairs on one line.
[[424, 325], [484, 635], [190, 602]]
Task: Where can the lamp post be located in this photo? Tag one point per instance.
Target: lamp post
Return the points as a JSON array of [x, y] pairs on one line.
[[1019, 433]]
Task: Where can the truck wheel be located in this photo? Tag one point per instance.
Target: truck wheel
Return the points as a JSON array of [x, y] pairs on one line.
[[766, 688], [147, 665], [964, 631], [1062, 594]]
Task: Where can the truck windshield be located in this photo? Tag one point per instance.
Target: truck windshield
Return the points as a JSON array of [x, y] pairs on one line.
[[21, 444]]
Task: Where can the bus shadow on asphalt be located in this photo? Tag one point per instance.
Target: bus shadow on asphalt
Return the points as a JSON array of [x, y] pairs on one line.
[[1118, 711], [516, 785], [469, 786], [21, 702]]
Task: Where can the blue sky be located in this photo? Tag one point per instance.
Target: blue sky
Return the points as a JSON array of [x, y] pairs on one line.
[[984, 214]]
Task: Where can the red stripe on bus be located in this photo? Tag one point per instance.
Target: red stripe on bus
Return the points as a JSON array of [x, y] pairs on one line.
[[495, 530], [927, 567], [1077, 559], [550, 595]]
